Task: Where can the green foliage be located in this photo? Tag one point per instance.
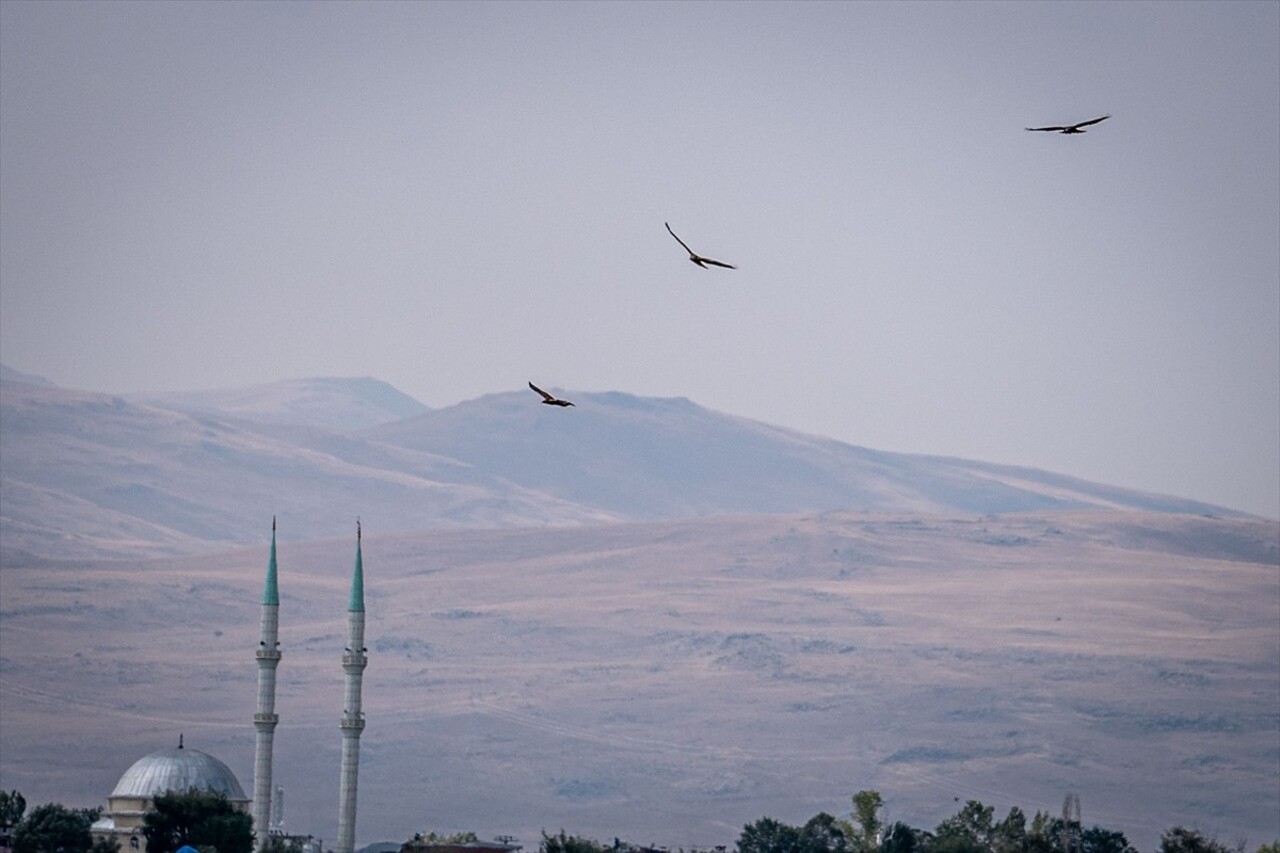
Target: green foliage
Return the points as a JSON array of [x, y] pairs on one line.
[[768, 836], [822, 834], [973, 829], [1010, 834], [1182, 840], [451, 838], [866, 825], [970, 828], [202, 819], [900, 838], [53, 828], [12, 807], [568, 844], [1273, 847], [105, 845], [1099, 840]]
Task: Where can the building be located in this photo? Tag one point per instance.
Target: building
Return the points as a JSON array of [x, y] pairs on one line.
[[180, 769], [153, 774]]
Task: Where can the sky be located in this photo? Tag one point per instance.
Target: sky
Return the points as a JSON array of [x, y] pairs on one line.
[[458, 198]]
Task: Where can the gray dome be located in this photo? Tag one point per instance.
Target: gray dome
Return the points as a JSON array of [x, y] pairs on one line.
[[177, 770]]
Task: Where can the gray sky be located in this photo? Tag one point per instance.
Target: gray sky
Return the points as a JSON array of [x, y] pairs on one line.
[[460, 197]]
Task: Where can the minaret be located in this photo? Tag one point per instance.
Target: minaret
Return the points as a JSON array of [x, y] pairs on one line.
[[265, 719], [353, 663]]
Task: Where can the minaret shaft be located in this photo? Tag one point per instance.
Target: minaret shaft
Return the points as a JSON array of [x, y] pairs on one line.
[[353, 663], [265, 719]]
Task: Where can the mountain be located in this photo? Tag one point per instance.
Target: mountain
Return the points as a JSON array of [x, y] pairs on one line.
[[90, 475], [8, 374], [647, 458], [669, 682], [635, 617], [333, 404]]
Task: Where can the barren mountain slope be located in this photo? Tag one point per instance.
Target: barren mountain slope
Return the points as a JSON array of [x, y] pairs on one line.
[[669, 682]]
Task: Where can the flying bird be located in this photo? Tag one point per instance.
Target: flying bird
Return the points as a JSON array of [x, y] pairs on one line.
[[696, 258], [1073, 128], [547, 399]]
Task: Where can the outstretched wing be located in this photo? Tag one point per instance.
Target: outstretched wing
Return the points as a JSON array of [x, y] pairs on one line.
[[718, 263], [681, 242], [1091, 121], [1063, 127], [544, 394]]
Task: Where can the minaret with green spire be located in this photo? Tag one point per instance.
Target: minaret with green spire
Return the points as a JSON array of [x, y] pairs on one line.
[[352, 725], [265, 719]]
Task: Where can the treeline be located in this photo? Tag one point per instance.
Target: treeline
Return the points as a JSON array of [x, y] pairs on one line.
[[51, 828], [972, 829], [209, 823], [203, 820]]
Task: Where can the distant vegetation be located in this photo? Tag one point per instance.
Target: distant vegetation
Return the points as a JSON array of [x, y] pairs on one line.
[[206, 821], [973, 829], [51, 828]]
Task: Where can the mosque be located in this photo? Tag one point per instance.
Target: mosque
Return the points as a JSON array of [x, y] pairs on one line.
[[182, 768]]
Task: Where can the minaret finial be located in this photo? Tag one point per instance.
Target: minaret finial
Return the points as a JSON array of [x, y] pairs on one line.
[[271, 591], [356, 602], [179, 740]]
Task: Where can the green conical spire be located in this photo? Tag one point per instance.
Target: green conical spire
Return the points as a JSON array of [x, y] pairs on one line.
[[357, 579], [271, 595]]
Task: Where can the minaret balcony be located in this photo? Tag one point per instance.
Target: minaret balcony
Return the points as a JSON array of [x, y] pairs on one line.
[[268, 654], [266, 719], [352, 723], [355, 659]]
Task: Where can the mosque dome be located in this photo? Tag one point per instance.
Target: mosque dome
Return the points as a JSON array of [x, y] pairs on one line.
[[177, 770]]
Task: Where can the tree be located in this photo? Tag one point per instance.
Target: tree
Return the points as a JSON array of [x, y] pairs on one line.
[[1181, 840], [967, 831], [566, 844], [822, 834], [1045, 833], [768, 836], [866, 821], [200, 819], [1010, 834], [52, 828], [900, 838], [1099, 840], [12, 807], [449, 838]]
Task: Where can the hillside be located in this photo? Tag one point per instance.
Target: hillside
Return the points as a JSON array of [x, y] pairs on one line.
[[87, 475], [669, 682], [90, 475], [656, 458], [328, 403]]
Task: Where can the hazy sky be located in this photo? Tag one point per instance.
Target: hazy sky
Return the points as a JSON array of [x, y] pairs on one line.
[[461, 197]]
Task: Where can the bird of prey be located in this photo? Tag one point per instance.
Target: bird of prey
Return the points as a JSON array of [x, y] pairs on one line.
[[547, 399], [1073, 128], [696, 258]]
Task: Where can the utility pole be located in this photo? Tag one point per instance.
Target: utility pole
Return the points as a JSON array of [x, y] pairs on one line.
[[1071, 840]]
